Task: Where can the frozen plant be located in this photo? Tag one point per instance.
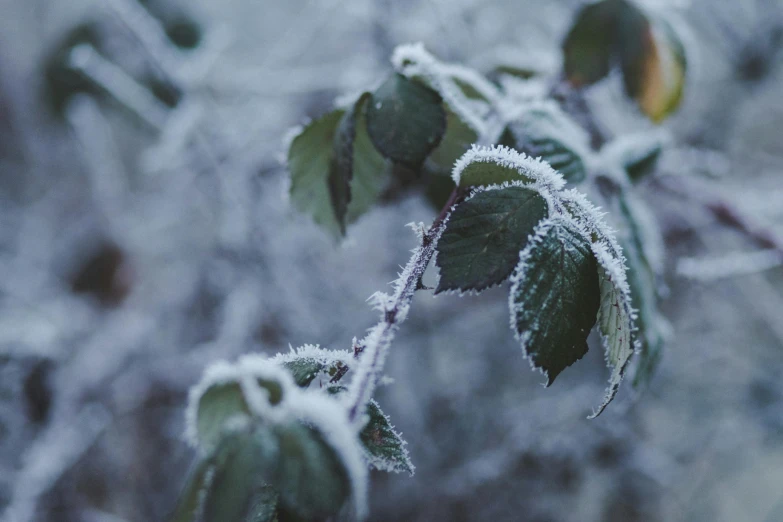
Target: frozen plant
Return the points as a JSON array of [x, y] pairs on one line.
[[519, 168]]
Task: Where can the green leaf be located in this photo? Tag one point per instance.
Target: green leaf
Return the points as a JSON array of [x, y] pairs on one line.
[[310, 477], [218, 404], [385, 447], [653, 63], [538, 144], [650, 54], [237, 488], [555, 297], [456, 141], [305, 368], [224, 401], [359, 172], [637, 241], [371, 171], [484, 235], [590, 44], [406, 120], [493, 169], [310, 161], [189, 506]]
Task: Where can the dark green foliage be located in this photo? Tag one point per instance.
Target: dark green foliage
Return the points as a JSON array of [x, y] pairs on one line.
[[305, 369], [219, 403], [310, 159], [342, 168], [336, 173], [555, 298], [538, 144], [384, 447], [383, 443], [484, 235], [456, 141], [311, 479], [589, 46], [406, 120]]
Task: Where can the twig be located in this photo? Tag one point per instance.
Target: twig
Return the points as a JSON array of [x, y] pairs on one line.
[[394, 310]]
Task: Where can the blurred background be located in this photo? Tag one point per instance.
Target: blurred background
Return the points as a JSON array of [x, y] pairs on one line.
[[145, 232]]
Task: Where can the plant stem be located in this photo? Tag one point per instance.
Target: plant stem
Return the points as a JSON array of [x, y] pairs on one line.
[[372, 349]]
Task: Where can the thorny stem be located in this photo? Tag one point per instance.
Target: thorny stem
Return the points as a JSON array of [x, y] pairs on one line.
[[372, 349]]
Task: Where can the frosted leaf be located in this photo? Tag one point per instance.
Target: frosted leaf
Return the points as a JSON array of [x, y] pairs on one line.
[[616, 316], [467, 93], [637, 154], [554, 296], [384, 448], [290, 423], [480, 246], [405, 120], [329, 417], [309, 361], [499, 164], [252, 386]]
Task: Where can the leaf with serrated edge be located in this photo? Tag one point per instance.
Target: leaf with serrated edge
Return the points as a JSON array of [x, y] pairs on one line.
[[483, 166], [616, 315], [484, 234], [405, 120], [384, 448], [309, 361], [548, 148], [554, 296]]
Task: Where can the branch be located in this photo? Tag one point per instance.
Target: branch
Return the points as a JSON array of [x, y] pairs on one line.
[[371, 350]]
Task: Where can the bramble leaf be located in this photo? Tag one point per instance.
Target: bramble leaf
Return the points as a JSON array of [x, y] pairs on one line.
[[336, 173], [636, 154], [649, 52], [653, 63], [406, 120], [218, 404], [456, 141], [589, 46], [384, 448], [310, 162], [341, 169], [555, 296], [308, 362], [616, 314], [484, 235], [546, 146], [235, 488], [310, 476]]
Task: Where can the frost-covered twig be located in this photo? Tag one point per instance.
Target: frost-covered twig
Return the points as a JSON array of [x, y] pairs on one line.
[[394, 309]]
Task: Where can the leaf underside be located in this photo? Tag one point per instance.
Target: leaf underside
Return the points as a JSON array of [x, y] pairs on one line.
[[555, 298], [405, 120], [484, 235]]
